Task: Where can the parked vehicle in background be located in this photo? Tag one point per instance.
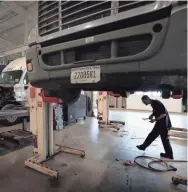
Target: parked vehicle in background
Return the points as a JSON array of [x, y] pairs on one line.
[[119, 46], [14, 88]]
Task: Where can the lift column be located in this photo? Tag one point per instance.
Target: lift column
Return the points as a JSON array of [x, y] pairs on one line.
[[103, 111], [41, 126], [41, 123]]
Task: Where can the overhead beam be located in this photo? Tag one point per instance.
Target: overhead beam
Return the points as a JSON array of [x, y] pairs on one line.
[[17, 8], [26, 26], [13, 50], [6, 41], [32, 12], [10, 29], [25, 13]]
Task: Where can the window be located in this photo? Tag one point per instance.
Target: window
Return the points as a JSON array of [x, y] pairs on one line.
[[139, 93], [26, 79], [9, 77], [156, 94], [148, 93]]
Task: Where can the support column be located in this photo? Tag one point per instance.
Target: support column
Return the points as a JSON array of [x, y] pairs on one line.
[[5, 60], [25, 29], [26, 26], [42, 124], [50, 130], [114, 10]]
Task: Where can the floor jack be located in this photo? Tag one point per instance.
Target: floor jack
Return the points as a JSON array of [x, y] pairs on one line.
[[41, 126], [103, 112]]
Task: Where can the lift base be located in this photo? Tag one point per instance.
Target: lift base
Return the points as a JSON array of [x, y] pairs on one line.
[[70, 150], [37, 164]]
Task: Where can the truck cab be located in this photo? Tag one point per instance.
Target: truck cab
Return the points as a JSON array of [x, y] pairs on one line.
[[15, 75], [14, 87]]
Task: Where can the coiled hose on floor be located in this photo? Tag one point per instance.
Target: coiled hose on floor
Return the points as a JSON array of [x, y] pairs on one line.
[[155, 160]]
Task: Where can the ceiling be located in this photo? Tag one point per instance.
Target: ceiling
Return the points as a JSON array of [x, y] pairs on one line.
[[12, 18]]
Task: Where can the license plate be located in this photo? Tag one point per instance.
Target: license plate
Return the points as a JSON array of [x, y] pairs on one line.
[[89, 74]]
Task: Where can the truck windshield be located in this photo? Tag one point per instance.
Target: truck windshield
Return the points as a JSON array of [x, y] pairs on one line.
[[10, 77]]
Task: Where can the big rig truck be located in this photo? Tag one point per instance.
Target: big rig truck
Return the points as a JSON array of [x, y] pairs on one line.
[[14, 89], [119, 46]]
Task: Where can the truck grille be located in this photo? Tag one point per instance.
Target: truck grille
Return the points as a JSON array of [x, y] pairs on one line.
[[54, 16], [83, 11], [48, 17], [128, 5], [125, 47], [91, 52], [133, 45]]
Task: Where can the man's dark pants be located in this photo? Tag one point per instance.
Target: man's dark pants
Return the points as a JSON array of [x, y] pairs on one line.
[[159, 129]]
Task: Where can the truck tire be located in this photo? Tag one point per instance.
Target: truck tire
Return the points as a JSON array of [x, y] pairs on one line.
[[177, 91], [70, 96], [11, 120], [166, 94], [184, 101]]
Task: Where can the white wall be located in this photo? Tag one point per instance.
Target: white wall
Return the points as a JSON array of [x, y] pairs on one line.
[[172, 105]]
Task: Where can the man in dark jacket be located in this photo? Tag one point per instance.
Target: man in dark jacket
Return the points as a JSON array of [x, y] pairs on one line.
[[162, 125]]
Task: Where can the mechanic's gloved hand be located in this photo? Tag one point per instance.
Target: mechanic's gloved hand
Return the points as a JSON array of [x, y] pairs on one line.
[[169, 128], [152, 121]]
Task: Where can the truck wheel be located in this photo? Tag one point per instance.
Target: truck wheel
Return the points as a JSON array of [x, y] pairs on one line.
[[70, 96], [166, 94], [184, 100], [177, 91], [10, 120]]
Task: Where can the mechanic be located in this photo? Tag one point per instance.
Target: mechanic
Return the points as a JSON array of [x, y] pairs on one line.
[[162, 125]]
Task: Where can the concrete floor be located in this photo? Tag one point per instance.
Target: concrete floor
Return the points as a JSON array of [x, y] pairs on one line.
[[101, 170]]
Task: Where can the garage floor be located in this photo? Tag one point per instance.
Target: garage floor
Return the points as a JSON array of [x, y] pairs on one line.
[[101, 170]]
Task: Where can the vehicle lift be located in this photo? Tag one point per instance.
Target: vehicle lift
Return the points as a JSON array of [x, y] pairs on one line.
[[41, 126], [103, 111]]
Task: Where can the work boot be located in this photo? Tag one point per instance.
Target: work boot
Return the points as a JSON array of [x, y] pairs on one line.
[[166, 156], [141, 147]]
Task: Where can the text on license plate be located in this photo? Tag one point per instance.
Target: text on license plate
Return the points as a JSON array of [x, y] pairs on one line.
[[89, 74]]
